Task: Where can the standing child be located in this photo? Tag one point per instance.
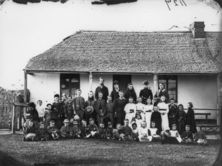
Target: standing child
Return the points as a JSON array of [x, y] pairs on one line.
[[100, 108], [102, 131], [79, 104], [181, 119], [57, 111], [130, 110], [143, 133], [173, 114], [164, 109], [200, 137], [83, 128], [92, 129], [187, 135], [119, 105], [148, 109], [109, 109], [66, 130], [40, 109], [68, 108], [89, 105], [190, 119], [171, 136], [47, 114], [53, 130], [156, 118], [154, 132]]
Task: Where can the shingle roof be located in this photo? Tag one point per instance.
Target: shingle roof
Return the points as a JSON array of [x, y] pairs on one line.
[[147, 52]]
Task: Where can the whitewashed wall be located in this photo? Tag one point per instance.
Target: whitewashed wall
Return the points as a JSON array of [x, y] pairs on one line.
[[199, 89], [43, 86]]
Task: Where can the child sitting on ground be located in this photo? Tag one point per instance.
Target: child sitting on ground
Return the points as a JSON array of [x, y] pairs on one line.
[[30, 130], [187, 135], [109, 130], [200, 137], [154, 132], [126, 131], [143, 133], [102, 131], [117, 131], [135, 132], [43, 134], [76, 130], [92, 129], [171, 136], [66, 131], [53, 131]]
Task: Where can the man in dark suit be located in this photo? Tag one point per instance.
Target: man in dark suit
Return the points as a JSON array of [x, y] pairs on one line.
[[102, 88]]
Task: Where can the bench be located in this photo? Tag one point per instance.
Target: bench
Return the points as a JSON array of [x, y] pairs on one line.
[[204, 113]]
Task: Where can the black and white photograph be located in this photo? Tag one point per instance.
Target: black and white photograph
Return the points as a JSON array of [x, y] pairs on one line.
[[110, 82]]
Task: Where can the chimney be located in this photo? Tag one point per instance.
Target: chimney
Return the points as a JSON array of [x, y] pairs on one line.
[[197, 29]]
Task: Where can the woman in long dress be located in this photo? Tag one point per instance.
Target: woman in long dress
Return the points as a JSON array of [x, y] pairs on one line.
[[164, 109], [148, 109]]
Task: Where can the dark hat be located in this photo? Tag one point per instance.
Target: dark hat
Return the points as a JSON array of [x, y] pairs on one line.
[[56, 95], [146, 82], [115, 82], [31, 105], [130, 83]]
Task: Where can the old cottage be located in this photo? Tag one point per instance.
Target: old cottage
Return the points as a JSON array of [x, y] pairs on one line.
[[187, 62]]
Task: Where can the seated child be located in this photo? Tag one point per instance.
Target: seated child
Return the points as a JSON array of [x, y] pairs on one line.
[[135, 132], [43, 134], [200, 137], [130, 109], [53, 131], [92, 129], [154, 132], [109, 130], [102, 131], [143, 133], [171, 136], [138, 119], [156, 118], [30, 130], [126, 131], [66, 130], [76, 131], [117, 131], [187, 136]]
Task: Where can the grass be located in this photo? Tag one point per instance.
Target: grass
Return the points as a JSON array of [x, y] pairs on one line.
[[102, 152]]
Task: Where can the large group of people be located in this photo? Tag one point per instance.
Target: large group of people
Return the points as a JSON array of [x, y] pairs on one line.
[[118, 116]]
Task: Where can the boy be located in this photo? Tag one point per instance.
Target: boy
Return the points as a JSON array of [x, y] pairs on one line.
[[92, 129], [43, 134], [102, 131], [100, 108], [68, 108], [126, 132], [47, 114], [109, 130], [83, 128], [109, 109], [117, 132], [187, 135], [53, 130], [156, 118], [173, 114], [66, 130], [119, 104], [154, 132], [135, 132], [130, 110], [79, 104], [75, 129], [40, 109], [164, 109], [200, 137], [171, 136], [30, 130], [57, 111], [143, 133]]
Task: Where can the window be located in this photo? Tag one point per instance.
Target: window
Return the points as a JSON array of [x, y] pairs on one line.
[[171, 85], [69, 83]]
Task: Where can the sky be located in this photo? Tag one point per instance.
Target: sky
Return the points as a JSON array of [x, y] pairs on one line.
[[28, 30]]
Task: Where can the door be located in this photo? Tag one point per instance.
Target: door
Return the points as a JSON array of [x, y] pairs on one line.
[[69, 83], [123, 81]]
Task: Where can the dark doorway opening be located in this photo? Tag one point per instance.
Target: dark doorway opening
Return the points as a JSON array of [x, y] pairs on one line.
[[123, 81]]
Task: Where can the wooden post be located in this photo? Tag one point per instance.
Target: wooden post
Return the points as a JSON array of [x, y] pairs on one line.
[[90, 81], [13, 115], [25, 86], [219, 97], [155, 83]]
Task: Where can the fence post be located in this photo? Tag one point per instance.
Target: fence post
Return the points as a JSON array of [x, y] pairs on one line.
[[13, 118]]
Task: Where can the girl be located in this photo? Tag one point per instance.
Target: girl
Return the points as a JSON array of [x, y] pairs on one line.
[[162, 92], [181, 119], [164, 109], [140, 107], [137, 119], [190, 119], [148, 111], [89, 104], [130, 110], [156, 118]]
